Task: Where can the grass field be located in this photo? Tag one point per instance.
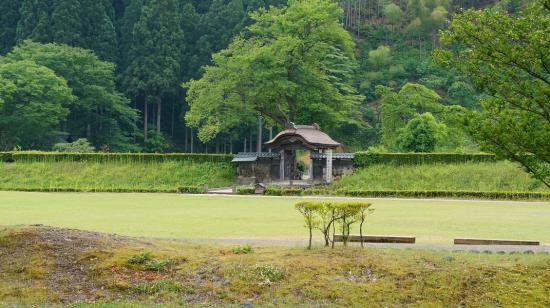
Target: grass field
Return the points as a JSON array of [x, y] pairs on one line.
[[185, 216], [48, 267], [499, 176], [111, 175]]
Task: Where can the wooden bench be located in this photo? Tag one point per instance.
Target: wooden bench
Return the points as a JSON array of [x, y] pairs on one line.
[[475, 241], [376, 239]]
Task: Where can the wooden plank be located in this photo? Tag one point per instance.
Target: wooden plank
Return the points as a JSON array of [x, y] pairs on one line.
[[377, 239], [476, 241]]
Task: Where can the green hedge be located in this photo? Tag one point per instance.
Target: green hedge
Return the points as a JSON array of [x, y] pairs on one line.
[[6, 157], [112, 157], [363, 159], [445, 194], [182, 190]]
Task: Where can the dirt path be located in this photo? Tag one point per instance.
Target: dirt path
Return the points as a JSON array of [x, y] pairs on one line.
[[303, 243]]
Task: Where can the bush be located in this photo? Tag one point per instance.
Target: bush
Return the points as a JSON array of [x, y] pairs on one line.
[[364, 159], [246, 190], [269, 274], [243, 250], [158, 266], [191, 190], [326, 214], [79, 146], [6, 157], [140, 258]]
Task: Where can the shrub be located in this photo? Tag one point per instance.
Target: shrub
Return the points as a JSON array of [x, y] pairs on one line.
[[269, 274], [79, 146], [246, 190], [243, 250], [158, 265], [363, 159], [191, 190], [6, 157], [140, 258], [325, 215], [445, 193], [159, 286]]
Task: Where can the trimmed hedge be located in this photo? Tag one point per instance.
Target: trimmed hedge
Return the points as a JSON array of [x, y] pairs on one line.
[[364, 159], [445, 194], [6, 157], [112, 157], [182, 190]]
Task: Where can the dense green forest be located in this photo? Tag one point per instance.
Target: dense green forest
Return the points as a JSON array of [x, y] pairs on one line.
[[111, 71]]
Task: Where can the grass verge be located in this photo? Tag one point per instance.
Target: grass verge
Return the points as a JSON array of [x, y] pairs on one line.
[[502, 176], [113, 176]]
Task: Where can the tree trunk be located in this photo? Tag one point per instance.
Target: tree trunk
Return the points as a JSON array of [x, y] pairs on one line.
[[310, 238], [185, 139], [259, 139], [270, 136], [159, 109], [145, 121], [192, 141]]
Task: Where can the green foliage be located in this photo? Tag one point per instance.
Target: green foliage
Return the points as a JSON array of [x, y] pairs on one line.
[[79, 146], [33, 103], [243, 250], [269, 274], [365, 159], [141, 258], [421, 134], [99, 113], [506, 56], [158, 286], [324, 215], [191, 190], [158, 265], [294, 64], [156, 143]]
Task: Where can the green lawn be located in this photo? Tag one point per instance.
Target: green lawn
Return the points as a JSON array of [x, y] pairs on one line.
[[165, 215]]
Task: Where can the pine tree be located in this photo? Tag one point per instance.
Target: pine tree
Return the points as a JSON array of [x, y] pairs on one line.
[[35, 22], [155, 56], [8, 24], [98, 28], [66, 26]]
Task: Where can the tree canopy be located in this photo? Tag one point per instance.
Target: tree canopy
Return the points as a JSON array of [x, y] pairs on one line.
[[508, 58], [293, 65]]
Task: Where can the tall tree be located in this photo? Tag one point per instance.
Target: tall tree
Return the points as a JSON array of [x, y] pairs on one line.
[[294, 64], [8, 24], [35, 21], [99, 113], [507, 57], [155, 56], [98, 30], [66, 25], [33, 103]]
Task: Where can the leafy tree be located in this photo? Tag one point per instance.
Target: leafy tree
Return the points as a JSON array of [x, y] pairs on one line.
[[98, 29], [393, 13], [155, 56], [33, 104], [507, 57], [398, 108], [294, 65], [79, 146], [100, 113], [421, 134]]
